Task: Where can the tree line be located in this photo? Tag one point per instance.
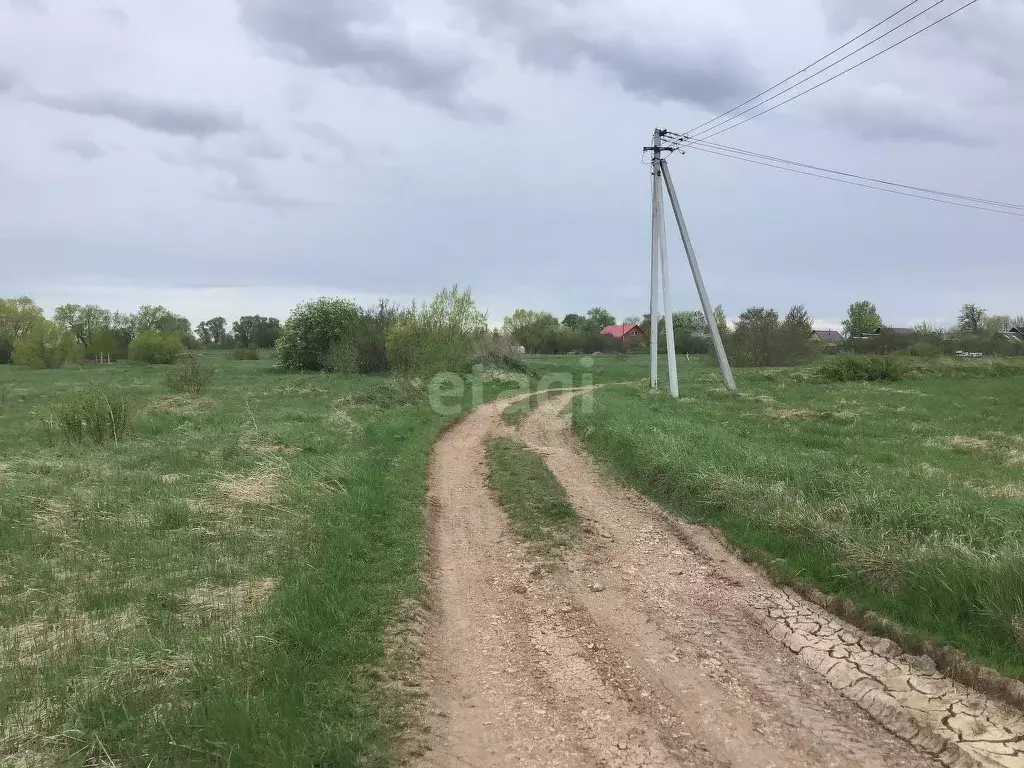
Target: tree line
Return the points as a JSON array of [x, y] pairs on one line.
[[151, 334]]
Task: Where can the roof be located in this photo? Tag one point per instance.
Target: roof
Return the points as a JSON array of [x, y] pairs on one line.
[[829, 336], [620, 331], [890, 329], [1018, 329]]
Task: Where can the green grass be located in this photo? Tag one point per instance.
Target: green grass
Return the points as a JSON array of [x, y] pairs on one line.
[[516, 414], [535, 502], [907, 498], [217, 588]]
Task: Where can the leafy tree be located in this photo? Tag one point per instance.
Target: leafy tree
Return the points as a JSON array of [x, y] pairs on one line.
[[760, 339], [537, 331], [755, 337], [17, 316], [256, 331], [862, 319], [213, 332], [574, 321], [600, 318], [83, 322], [997, 323], [971, 318], [632, 320], [721, 321], [439, 337], [795, 339], [162, 320], [44, 345], [156, 347], [320, 336]]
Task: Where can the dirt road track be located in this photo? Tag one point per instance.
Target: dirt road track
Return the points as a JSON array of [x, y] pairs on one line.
[[652, 645]]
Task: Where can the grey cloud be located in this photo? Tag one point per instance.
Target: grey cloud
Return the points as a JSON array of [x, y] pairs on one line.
[[712, 75], [362, 40], [890, 115], [87, 149], [7, 79], [259, 146], [33, 6], [240, 180], [325, 135], [175, 119], [117, 16]]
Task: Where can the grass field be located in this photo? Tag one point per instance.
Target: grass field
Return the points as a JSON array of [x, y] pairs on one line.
[[907, 497], [216, 588]]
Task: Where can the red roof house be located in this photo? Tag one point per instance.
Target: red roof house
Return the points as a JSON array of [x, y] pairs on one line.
[[625, 332]]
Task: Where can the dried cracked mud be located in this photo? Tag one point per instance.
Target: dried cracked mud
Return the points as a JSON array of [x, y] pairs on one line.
[[651, 644]]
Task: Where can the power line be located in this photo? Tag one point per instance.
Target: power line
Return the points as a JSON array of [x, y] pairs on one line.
[[700, 143], [875, 187], [706, 135], [813, 63]]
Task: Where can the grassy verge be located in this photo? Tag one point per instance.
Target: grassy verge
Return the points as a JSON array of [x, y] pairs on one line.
[[535, 502], [906, 498], [217, 587], [516, 414]]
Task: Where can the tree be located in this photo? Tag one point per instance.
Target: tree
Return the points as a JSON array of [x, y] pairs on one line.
[[439, 337], [17, 316], [721, 321], [256, 331], [755, 336], [156, 347], [162, 320], [45, 345], [600, 318], [320, 336], [970, 319], [795, 340], [537, 331], [82, 322], [632, 320], [212, 332], [575, 322], [862, 319]]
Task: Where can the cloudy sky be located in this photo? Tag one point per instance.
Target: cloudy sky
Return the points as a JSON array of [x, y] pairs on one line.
[[233, 156]]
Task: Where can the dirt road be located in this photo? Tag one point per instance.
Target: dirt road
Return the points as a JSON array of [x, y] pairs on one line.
[[652, 645]]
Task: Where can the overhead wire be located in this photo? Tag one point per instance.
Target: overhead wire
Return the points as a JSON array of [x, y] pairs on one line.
[[729, 125], [698, 144], [812, 64], [866, 185]]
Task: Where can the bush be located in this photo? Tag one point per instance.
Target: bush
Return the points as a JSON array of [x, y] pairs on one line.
[[6, 351], [156, 348], [92, 415], [246, 353], [45, 345], [318, 336], [865, 368], [438, 337], [190, 375]]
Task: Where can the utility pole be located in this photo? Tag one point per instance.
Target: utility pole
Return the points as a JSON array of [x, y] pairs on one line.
[[659, 273], [656, 235], [661, 178]]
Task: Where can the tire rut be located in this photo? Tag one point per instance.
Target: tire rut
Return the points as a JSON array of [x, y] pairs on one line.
[[645, 647]]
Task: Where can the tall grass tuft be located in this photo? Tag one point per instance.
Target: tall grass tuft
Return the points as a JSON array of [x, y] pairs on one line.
[[190, 375], [93, 415]]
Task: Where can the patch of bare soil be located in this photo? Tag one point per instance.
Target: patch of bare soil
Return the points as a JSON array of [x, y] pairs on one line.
[[653, 645]]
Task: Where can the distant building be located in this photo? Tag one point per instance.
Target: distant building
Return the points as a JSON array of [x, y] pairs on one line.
[[897, 331], [625, 332], [828, 338]]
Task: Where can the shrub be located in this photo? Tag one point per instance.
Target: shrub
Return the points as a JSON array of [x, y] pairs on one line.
[[156, 347], [45, 345], [865, 368], [246, 353], [190, 375], [6, 350], [439, 337], [762, 339], [317, 335], [94, 415]]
